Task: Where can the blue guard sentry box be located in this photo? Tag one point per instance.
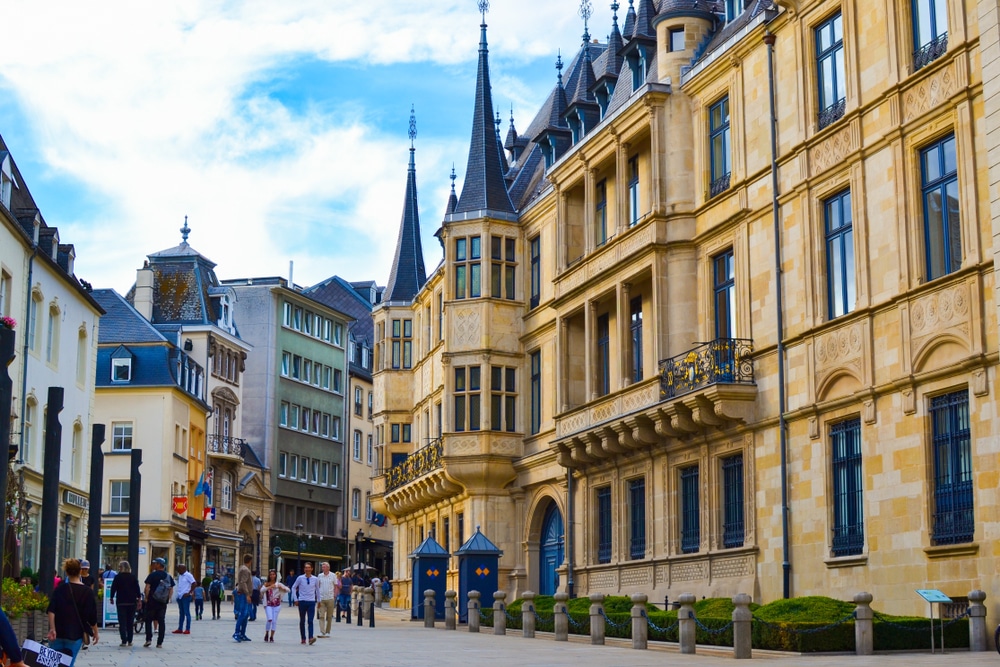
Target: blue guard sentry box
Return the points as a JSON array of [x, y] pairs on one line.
[[430, 571], [478, 566]]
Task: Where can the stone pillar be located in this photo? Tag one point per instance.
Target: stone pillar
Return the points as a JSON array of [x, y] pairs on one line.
[[378, 597], [640, 624], [528, 615], [429, 608], [742, 619], [686, 629], [864, 626], [597, 619], [625, 336], [499, 613], [977, 621], [450, 610], [474, 605], [589, 348], [589, 240], [560, 612]]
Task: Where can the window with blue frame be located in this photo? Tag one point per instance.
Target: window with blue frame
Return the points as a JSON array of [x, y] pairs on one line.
[[635, 327], [601, 212], [733, 9], [939, 195], [724, 286], [535, 251], [604, 524], [841, 293], [690, 511], [930, 31], [830, 69], [603, 355], [633, 191], [536, 392], [733, 520], [719, 150], [954, 520], [637, 518], [848, 488]]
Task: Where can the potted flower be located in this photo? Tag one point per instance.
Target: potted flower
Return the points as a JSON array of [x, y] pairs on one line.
[[7, 322]]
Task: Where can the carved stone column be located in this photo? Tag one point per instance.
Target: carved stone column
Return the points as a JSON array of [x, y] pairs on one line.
[[625, 337]]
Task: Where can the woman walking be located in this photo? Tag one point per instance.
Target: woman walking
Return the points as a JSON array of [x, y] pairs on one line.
[[125, 594], [272, 603], [72, 613]]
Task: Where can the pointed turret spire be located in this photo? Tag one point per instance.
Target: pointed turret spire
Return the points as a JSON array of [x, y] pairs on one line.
[[629, 21], [503, 153], [484, 188], [452, 198], [408, 274], [585, 77], [644, 20], [615, 43]]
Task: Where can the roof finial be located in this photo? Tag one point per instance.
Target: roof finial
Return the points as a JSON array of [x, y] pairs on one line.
[[559, 67], [586, 11], [614, 11], [185, 230], [413, 125], [453, 178], [484, 8]]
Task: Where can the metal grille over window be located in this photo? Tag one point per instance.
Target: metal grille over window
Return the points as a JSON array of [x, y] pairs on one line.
[[637, 515], [690, 511], [732, 520], [954, 521], [848, 485], [604, 525]]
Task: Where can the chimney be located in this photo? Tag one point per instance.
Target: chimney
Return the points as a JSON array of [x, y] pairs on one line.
[[144, 291]]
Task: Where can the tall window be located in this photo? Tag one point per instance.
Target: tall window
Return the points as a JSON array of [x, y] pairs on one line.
[[637, 518], [635, 327], [357, 445], [28, 428], [830, 69], [954, 521], [407, 343], [633, 190], [603, 355], [358, 398], [719, 151], [226, 491], [503, 386], [34, 305], [467, 387], [52, 337], [356, 504], [121, 436], [930, 31], [848, 487], [732, 502], [724, 286], [604, 524], [939, 190], [601, 212], [535, 246], [841, 294], [503, 270], [119, 497], [536, 392], [468, 269], [690, 511], [732, 9]]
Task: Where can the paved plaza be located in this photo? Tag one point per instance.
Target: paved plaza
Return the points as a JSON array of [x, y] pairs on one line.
[[396, 641]]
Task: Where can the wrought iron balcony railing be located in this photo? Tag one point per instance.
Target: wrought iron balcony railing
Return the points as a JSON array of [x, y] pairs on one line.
[[226, 445], [930, 51], [832, 113], [719, 185], [723, 360], [417, 464]]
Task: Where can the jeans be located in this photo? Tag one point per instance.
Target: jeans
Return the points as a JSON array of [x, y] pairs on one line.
[[272, 617], [307, 609], [184, 606], [64, 645], [216, 608], [126, 622], [242, 608], [199, 608], [155, 611]]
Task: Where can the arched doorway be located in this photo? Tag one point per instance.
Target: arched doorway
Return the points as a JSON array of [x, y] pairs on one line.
[[551, 552]]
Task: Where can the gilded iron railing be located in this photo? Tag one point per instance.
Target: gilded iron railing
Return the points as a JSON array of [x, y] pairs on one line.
[[417, 464], [723, 360], [226, 445]]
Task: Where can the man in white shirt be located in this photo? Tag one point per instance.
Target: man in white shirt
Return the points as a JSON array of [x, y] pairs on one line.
[[306, 589], [328, 585], [184, 594]]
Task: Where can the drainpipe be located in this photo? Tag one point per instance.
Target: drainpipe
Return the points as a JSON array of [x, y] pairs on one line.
[[569, 533], [786, 564]]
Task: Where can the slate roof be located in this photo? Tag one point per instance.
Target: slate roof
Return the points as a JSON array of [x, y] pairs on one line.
[[344, 297], [429, 547], [697, 8], [184, 281], [478, 545], [408, 274], [731, 28], [122, 323]]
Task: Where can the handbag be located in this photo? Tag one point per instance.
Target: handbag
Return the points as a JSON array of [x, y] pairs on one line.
[[86, 629]]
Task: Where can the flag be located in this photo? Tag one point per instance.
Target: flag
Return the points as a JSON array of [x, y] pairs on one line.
[[206, 486], [378, 519], [198, 489], [209, 514]]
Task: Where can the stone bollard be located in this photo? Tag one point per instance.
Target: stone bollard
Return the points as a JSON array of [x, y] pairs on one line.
[[977, 621], [742, 628], [499, 613], [450, 610], [560, 617], [429, 608], [597, 619], [528, 615], [378, 596], [686, 628], [474, 605], [640, 623], [864, 625]]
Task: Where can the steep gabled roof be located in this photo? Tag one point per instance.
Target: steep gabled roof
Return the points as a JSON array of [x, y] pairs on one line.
[[122, 323], [408, 274]]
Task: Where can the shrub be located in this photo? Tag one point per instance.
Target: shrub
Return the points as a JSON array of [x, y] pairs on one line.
[[18, 599]]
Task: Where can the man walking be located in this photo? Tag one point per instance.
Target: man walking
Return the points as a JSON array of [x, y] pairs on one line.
[[215, 595], [329, 583], [290, 581], [157, 598], [305, 589], [241, 599], [183, 593]]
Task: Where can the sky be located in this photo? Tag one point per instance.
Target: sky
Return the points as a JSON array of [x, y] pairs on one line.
[[278, 127]]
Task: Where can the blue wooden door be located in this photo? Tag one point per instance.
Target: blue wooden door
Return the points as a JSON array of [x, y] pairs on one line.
[[551, 552]]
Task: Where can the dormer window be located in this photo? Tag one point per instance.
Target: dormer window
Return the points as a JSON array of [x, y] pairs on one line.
[[121, 370], [732, 10], [6, 180], [637, 62]]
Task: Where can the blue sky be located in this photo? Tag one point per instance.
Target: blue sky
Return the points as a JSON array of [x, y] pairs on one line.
[[279, 128]]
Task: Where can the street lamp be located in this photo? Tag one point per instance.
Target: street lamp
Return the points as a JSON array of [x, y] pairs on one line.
[[357, 547], [298, 540], [259, 525]]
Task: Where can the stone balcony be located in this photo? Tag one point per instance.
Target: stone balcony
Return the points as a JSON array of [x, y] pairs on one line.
[[226, 447], [708, 387]]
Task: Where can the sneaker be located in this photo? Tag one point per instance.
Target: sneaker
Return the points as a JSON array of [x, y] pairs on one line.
[[130, 643], [312, 640], [122, 644], [244, 638], [303, 641], [159, 646], [147, 644], [186, 632], [235, 638], [178, 631]]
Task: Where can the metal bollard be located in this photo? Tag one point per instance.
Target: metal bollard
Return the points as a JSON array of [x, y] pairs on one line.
[[977, 621], [499, 613], [429, 608], [742, 629], [640, 624], [686, 629], [528, 615], [371, 607], [474, 611], [361, 606], [864, 625], [597, 629], [450, 610], [560, 613]]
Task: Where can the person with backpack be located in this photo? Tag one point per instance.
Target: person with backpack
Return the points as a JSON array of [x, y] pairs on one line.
[[215, 594], [159, 583], [72, 613]]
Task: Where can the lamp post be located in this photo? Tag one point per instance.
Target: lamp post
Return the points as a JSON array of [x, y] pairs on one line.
[[259, 525], [357, 547], [298, 543]]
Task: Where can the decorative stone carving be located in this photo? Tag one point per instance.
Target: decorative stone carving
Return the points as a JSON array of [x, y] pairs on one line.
[[467, 326], [642, 576], [946, 310], [743, 566], [689, 571], [840, 349], [833, 151], [929, 93]]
